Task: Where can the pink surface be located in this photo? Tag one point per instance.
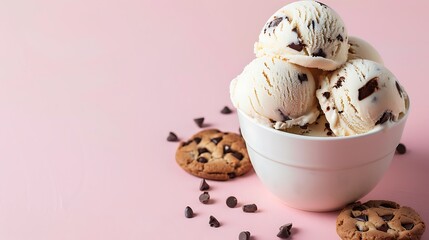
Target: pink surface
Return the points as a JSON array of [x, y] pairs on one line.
[[90, 89]]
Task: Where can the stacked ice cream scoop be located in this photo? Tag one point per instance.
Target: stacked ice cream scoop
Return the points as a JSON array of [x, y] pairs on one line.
[[309, 77]]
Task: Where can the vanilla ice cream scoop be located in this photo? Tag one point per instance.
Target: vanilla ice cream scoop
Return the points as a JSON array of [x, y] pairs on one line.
[[276, 92], [360, 96], [360, 48], [307, 33]]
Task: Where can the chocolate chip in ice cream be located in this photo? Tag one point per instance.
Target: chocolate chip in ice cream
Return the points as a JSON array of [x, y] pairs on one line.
[[385, 117], [369, 88], [340, 38], [297, 46], [302, 77], [326, 95], [339, 82], [319, 53], [398, 88]]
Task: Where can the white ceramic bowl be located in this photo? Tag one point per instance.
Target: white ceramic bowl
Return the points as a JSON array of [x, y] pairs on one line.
[[319, 173]]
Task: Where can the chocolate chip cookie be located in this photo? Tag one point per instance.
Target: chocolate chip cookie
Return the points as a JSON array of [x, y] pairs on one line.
[[379, 220], [214, 155]]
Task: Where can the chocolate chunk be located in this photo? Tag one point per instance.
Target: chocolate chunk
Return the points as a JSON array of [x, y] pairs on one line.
[[302, 77], [231, 175], [250, 208], [245, 235], [339, 82], [398, 88], [408, 226], [226, 110], [319, 53], [387, 217], [297, 47], [237, 155], [202, 160], [284, 116], [199, 122], [369, 88], [216, 140], [188, 212], [326, 95], [214, 222], [231, 202], [204, 197], [384, 118], [401, 149], [327, 127], [340, 38], [275, 22], [172, 137], [285, 231], [202, 150], [204, 185], [363, 218], [383, 228], [197, 140]]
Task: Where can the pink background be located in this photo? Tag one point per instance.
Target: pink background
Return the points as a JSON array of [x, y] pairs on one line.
[[89, 90]]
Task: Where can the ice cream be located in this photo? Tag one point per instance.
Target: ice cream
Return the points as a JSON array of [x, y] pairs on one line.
[[307, 33], [360, 48], [361, 96], [320, 128], [276, 92]]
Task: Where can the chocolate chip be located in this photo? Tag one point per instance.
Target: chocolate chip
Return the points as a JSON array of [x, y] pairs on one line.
[[186, 143], [319, 53], [384, 118], [387, 217], [213, 222], [216, 140], [322, 4], [204, 197], [237, 155], [245, 235], [326, 95], [408, 226], [285, 231], [202, 150], [172, 137], [383, 228], [305, 126], [284, 116], [199, 122], [231, 175], [202, 160], [327, 127], [197, 140], [226, 149], [302, 77], [388, 205], [398, 88], [369, 88], [231, 202], [358, 208], [339, 112], [250, 208], [328, 108], [226, 110], [297, 47], [188, 212], [401, 149], [363, 218], [340, 38], [329, 133], [339, 82], [204, 185]]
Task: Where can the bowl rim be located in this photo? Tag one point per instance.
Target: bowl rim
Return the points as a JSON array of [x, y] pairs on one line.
[[320, 138]]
